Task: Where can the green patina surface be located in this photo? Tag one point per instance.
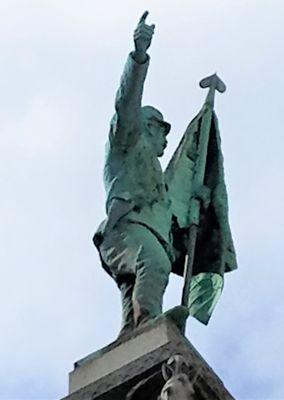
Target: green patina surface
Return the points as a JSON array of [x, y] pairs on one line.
[[149, 212]]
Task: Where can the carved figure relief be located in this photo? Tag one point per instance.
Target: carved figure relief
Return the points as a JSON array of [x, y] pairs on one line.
[[178, 385]]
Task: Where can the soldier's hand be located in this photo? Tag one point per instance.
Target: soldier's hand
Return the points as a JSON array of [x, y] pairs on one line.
[[143, 35]]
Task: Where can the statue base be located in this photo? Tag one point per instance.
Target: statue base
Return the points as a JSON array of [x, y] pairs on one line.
[[112, 372]]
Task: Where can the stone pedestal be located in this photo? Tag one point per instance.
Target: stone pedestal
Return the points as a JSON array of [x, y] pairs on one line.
[[110, 373]]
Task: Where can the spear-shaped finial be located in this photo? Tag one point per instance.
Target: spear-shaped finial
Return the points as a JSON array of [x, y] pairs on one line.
[[213, 82]]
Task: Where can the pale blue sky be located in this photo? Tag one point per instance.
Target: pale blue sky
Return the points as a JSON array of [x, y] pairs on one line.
[[60, 65]]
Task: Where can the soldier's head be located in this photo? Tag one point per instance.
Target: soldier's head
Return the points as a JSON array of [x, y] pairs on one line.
[[155, 128]]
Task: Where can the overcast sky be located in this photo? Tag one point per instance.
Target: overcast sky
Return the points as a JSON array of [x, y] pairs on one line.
[[60, 66]]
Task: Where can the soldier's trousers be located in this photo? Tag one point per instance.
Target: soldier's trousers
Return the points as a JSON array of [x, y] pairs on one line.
[[141, 268]]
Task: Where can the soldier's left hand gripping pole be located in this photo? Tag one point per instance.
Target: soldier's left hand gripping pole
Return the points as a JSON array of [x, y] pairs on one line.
[[214, 83]]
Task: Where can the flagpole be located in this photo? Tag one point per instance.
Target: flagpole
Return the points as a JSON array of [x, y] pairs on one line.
[[189, 259], [214, 83]]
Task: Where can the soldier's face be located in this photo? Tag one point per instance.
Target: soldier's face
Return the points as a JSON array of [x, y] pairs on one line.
[[157, 135]]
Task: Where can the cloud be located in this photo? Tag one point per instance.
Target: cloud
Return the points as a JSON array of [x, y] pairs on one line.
[[39, 133]]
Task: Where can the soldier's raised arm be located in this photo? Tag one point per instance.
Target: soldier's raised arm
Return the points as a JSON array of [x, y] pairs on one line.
[[129, 94]]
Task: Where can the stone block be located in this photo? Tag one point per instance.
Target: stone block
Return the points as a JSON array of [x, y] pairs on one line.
[[110, 373]]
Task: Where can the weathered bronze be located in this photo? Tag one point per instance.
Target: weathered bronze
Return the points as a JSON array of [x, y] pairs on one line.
[[161, 222]]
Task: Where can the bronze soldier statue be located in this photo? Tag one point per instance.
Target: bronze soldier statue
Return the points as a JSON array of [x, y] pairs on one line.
[[145, 215], [136, 248]]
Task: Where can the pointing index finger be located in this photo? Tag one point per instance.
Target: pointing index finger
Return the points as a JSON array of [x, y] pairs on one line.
[[144, 16]]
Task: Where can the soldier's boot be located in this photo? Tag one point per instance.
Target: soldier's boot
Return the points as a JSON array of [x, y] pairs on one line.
[[126, 287], [148, 293]]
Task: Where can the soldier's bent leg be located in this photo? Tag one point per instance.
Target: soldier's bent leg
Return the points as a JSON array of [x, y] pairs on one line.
[[152, 275], [126, 286]]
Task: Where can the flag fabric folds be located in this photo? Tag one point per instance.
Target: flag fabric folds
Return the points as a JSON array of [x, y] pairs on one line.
[[214, 250]]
